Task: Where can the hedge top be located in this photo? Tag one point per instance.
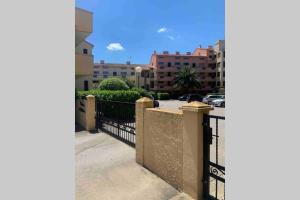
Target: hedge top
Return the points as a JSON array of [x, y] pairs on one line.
[[113, 84]]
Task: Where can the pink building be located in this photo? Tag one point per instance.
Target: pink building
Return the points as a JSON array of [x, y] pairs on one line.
[[166, 65]]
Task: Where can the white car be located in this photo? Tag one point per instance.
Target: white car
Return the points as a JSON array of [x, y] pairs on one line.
[[209, 98], [219, 102]]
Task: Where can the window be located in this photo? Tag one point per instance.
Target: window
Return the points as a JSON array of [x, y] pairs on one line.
[[105, 72], [218, 74], [132, 73], [123, 74], [104, 76], [114, 73], [177, 63], [161, 86], [194, 65], [161, 77], [169, 73], [85, 51], [152, 84], [223, 83], [96, 72], [169, 64], [95, 76], [86, 85], [161, 63], [169, 83], [186, 64], [224, 64], [177, 58], [185, 58], [152, 75]]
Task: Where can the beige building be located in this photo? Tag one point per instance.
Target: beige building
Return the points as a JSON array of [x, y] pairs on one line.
[[83, 50], [220, 60], [145, 76], [104, 70]]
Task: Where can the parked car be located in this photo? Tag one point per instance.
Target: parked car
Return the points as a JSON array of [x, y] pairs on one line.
[[194, 97], [156, 103], [183, 97], [209, 98], [219, 102]]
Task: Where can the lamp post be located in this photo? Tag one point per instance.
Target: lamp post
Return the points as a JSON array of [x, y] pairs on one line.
[[138, 72]]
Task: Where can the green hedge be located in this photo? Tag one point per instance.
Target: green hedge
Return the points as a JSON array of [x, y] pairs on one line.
[[113, 84], [163, 96], [114, 109], [142, 92], [112, 95]]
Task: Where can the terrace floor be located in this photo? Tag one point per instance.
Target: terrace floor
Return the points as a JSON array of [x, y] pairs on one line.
[[106, 169]]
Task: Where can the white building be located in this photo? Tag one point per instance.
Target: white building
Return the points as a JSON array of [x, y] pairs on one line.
[[220, 61], [104, 70]]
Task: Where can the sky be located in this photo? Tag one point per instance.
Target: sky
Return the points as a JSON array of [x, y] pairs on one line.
[[130, 30]]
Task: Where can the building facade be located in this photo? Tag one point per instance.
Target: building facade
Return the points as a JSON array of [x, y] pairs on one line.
[[104, 70], [220, 63], [83, 50], [165, 67]]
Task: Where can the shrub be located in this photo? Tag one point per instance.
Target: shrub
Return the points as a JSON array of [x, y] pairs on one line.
[[153, 94], [163, 96], [129, 83], [113, 84], [143, 92], [114, 109], [112, 95]]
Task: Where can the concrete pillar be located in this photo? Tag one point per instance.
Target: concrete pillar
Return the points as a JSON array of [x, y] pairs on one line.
[[140, 108], [192, 165], [90, 112]]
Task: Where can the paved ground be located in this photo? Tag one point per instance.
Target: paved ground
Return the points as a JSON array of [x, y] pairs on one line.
[[106, 170]]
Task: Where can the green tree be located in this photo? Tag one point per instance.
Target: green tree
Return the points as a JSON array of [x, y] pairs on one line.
[[186, 79], [113, 84]]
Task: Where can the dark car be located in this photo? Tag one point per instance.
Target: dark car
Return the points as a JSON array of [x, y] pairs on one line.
[[156, 103], [194, 97], [183, 97]]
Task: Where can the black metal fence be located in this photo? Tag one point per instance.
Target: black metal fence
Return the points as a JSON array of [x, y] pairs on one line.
[[117, 119], [214, 158]]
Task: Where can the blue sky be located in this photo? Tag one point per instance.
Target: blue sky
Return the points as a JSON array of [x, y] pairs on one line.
[[125, 29]]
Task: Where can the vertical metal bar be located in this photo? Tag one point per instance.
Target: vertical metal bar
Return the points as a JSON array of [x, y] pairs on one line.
[[217, 150], [206, 156]]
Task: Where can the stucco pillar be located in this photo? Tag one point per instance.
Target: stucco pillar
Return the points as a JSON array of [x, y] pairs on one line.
[[192, 165], [90, 110], [140, 108]]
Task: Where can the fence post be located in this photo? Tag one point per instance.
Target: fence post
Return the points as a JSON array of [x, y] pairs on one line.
[[90, 110], [140, 108], [192, 170]]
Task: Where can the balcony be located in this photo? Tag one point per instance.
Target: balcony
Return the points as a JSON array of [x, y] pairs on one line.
[[83, 64], [83, 25]]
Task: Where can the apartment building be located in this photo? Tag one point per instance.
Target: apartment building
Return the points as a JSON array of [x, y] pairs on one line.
[[166, 65], [145, 77], [104, 70], [220, 60], [83, 50]]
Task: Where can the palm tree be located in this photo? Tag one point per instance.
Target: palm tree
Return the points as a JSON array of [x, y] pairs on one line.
[[186, 79]]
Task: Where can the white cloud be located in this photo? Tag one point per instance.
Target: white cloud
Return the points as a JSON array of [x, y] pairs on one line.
[[171, 37], [161, 30], [115, 47]]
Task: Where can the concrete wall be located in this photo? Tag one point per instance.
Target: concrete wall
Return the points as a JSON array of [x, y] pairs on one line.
[[85, 112], [170, 144], [163, 144]]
